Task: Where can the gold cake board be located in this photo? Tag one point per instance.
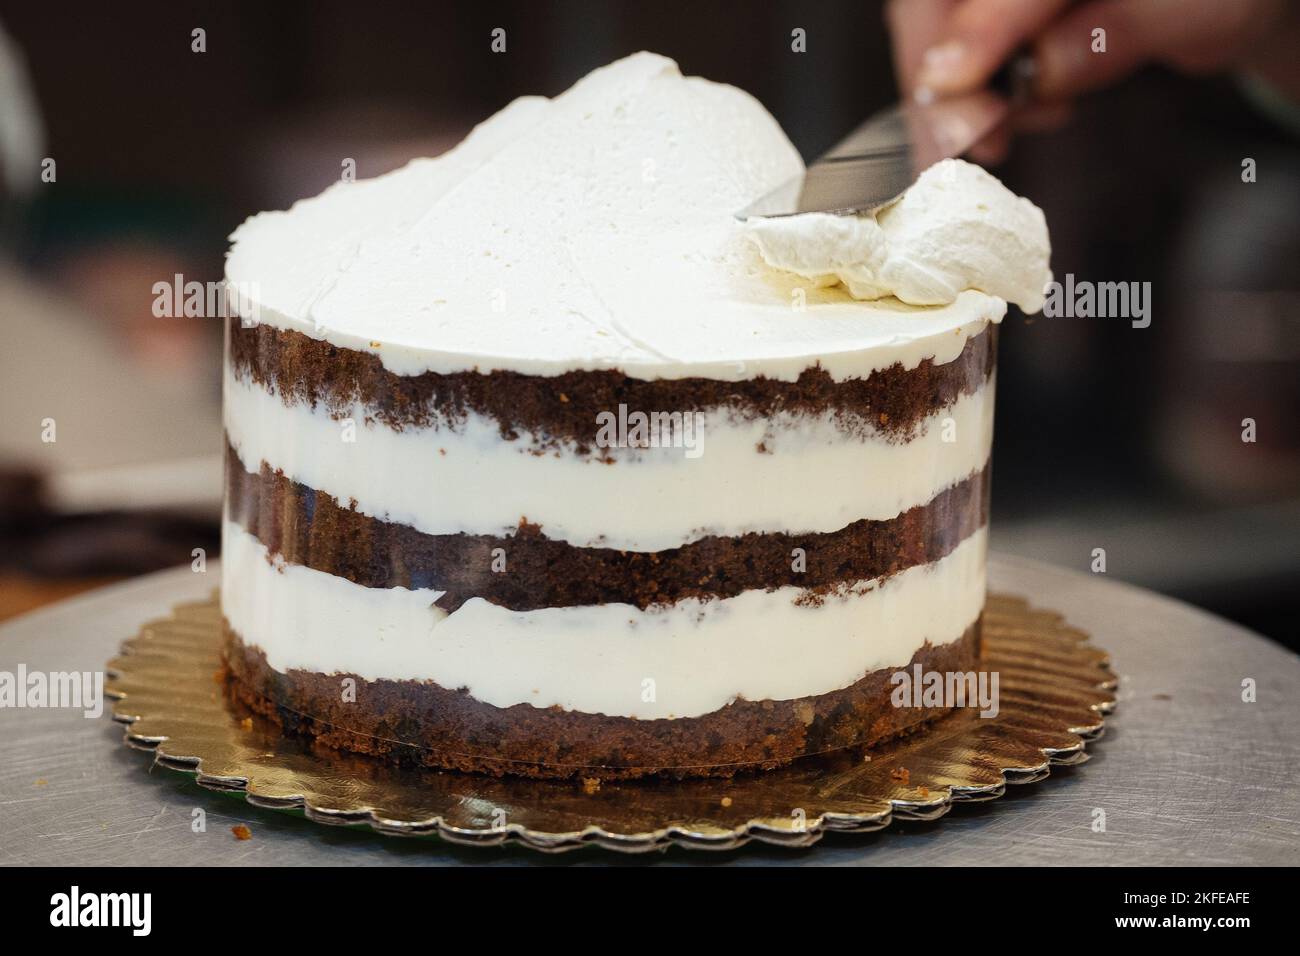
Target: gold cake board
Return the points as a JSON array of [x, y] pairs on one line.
[[1055, 691]]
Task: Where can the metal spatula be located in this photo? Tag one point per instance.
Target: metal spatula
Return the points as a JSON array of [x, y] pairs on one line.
[[879, 160]]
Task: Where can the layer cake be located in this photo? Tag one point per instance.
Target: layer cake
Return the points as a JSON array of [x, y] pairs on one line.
[[540, 462]]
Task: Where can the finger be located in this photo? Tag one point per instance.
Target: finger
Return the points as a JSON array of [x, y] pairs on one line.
[[1040, 117], [1206, 34], [993, 149], [914, 27], [944, 127], [971, 117], [981, 36], [1197, 35], [1070, 55]]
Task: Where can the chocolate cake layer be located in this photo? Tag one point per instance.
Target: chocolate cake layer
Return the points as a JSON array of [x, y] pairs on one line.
[[563, 408], [419, 723], [531, 571]]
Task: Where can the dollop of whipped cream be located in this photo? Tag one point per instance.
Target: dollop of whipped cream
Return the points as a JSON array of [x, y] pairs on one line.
[[957, 228]]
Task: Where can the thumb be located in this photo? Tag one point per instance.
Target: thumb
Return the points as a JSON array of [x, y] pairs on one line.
[[981, 35]]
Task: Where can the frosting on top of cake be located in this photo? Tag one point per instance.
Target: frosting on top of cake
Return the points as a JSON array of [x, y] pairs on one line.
[[595, 230]]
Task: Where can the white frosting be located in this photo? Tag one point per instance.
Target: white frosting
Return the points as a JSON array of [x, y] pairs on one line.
[[814, 478], [957, 228], [758, 645], [595, 230]]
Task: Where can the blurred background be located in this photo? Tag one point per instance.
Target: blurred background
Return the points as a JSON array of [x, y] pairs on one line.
[[1108, 436]]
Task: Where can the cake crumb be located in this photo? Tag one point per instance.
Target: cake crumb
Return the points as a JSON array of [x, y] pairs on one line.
[[564, 398], [590, 785], [41, 782], [246, 723], [241, 832], [901, 774], [805, 712], [924, 791], [726, 801]]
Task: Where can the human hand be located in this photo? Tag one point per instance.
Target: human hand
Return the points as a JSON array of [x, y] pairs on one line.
[[946, 47]]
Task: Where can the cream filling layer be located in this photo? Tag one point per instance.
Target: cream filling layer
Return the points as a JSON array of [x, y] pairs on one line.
[[682, 661], [813, 478]]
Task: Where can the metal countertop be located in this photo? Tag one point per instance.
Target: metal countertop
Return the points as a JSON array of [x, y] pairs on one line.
[[1187, 772]]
